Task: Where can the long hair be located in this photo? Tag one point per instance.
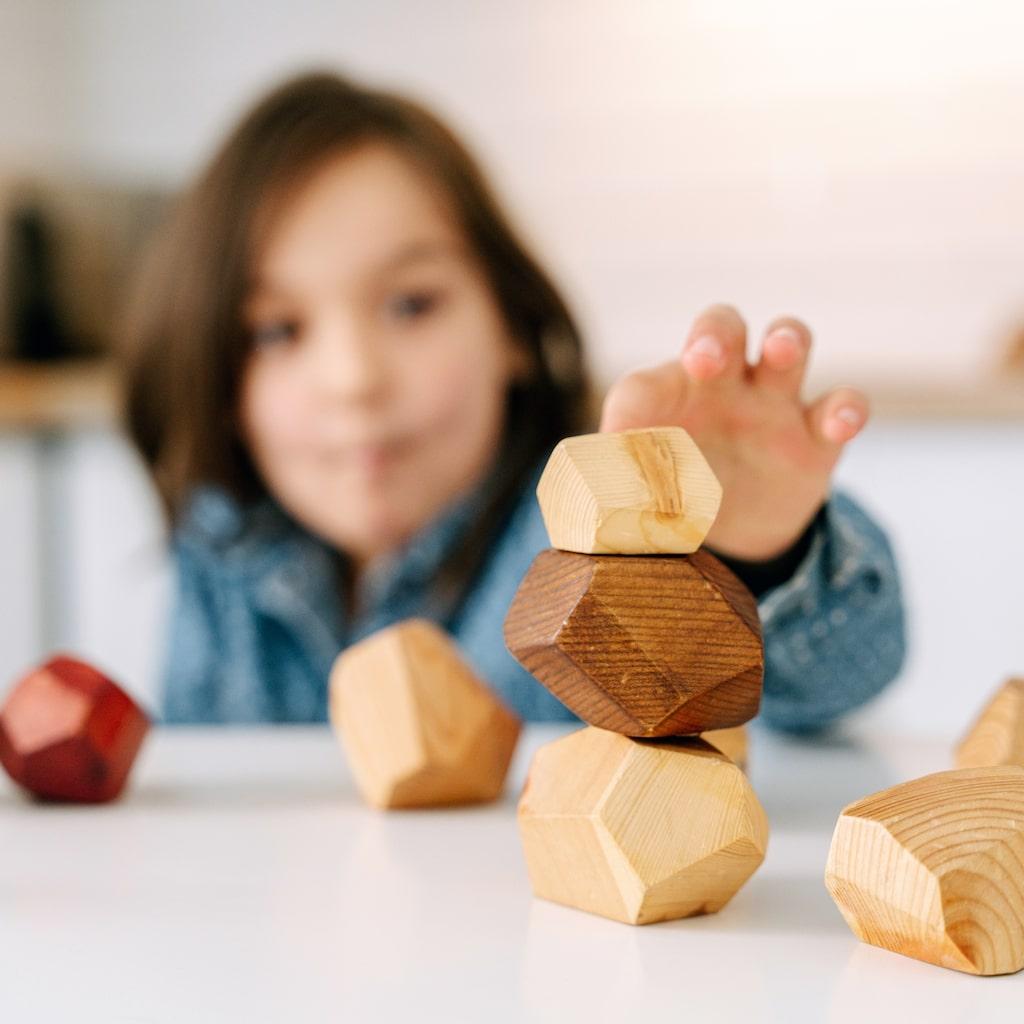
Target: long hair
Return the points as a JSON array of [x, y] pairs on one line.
[[185, 339]]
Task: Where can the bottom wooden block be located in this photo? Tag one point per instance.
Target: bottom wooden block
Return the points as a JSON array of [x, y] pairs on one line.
[[731, 742], [420, 729], [934, 869], [639, 830]]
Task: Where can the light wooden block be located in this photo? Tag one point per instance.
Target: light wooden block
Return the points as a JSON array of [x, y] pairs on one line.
[[734, 743], [639, 492], [934, 869], [642, 646], [639, 831], [420, 729], [997, 737]]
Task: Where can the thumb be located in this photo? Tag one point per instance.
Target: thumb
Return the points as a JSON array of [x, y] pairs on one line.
[[654, 397]]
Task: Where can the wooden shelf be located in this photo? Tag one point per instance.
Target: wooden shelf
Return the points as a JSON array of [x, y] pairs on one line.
[[87, 393], [58, 396], [981, 399]]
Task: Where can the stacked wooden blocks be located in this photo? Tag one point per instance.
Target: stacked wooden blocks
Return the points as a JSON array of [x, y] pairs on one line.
[[645, 637]]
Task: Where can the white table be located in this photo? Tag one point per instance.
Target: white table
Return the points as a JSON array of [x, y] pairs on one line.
[[241, 880]]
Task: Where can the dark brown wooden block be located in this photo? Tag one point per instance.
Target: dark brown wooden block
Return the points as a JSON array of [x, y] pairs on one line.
[[644, 646]]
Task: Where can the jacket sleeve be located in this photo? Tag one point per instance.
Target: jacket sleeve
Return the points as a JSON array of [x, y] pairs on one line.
[[834, 633], [191, 658]]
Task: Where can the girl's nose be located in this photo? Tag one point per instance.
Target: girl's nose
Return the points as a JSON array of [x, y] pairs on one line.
[[345, 361]]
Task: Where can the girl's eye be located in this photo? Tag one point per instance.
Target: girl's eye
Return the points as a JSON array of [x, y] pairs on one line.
[[411, 305], [274, 332]]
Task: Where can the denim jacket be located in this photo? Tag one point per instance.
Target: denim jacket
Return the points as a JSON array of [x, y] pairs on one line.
[[259, 618]]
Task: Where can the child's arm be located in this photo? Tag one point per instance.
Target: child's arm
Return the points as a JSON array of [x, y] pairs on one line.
[[834, 630]]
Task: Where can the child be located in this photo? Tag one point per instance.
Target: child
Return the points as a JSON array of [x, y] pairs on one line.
[[347, 373]]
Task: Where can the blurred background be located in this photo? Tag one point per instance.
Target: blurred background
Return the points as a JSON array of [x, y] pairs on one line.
[[858, 164]]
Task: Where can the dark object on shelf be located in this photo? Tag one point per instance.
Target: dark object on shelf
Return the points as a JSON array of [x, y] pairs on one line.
[[37, 325]]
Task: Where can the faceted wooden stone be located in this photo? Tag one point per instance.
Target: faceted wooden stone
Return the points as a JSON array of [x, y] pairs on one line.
[[734, 743], [637, 492], [997, 737], [67, 732], [934, 869], [642, 646], [639, 830], [420, 729]]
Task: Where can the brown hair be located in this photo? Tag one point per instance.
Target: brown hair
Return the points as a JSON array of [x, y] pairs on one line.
[[186, 343]]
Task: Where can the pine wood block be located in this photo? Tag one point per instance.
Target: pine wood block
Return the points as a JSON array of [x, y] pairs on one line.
[[639, 830], [997, 737], [733, 743], [642, 646], [420, 729], [934, 869], [67, 732], [638, 492]]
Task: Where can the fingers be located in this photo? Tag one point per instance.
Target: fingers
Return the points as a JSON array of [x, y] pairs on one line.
[[646, 398], [785, 352], [837, 417], [715, 350]]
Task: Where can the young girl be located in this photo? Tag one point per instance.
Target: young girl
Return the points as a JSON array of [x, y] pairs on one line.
[[347, 373]]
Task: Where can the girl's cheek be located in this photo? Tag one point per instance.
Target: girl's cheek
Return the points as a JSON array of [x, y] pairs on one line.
[[272, 407]]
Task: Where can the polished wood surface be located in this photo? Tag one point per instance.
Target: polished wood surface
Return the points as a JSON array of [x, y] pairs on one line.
[[656, 646]]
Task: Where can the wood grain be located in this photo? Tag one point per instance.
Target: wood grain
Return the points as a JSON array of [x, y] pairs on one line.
[[420, 729], [638, 492], [734, 743], [643, 646], [639, 831], [997, 736], [934, 869]]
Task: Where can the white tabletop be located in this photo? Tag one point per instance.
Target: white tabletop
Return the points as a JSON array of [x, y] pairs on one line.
[[242, 879]]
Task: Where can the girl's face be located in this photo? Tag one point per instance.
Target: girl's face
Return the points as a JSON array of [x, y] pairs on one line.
[[374, 394]]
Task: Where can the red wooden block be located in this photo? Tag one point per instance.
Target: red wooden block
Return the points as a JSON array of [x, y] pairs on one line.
[[67, 732]]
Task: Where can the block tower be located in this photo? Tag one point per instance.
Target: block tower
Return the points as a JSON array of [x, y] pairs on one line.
[[652, 642]]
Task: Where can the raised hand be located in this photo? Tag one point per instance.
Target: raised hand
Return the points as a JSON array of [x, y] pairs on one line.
[[773, 453]]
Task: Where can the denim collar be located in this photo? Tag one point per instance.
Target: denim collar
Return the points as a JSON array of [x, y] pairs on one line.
[[295, 578]]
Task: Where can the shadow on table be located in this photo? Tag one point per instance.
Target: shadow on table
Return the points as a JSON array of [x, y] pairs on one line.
[[804, 783]]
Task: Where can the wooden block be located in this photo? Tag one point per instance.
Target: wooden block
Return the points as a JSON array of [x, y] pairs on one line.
[[731, 742], [639, 830], [997, 737], [67, 732], [419, 727], [639, 492], [641, 646], [934, 869]]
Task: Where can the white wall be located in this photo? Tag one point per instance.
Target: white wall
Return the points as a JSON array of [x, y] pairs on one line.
[[951, 497], [857, 162], [21, 638]]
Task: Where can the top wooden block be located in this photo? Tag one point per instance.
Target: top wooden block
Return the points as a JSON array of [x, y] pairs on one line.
[[639, 492]]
